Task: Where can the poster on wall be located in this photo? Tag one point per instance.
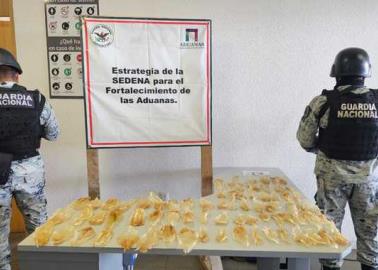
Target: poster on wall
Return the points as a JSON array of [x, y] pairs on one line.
[[147, 82], [64, 45]]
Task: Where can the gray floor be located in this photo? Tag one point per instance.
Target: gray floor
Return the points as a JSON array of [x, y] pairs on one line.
[[154, 262]]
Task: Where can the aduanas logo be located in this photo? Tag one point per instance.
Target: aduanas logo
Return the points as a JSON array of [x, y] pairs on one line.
[[102, 35], [191, 39]]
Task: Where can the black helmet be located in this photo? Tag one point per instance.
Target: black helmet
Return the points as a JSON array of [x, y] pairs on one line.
[[351, 62], [7, 59]]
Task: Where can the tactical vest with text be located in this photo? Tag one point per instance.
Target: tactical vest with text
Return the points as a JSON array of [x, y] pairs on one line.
[[352, 130], [20, 129]]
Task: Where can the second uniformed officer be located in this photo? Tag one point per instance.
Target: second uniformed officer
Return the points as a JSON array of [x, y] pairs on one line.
[[25, 118], [341, 127]]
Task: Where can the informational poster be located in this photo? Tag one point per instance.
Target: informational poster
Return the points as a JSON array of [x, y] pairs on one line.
[[147, 82], [64, 45]]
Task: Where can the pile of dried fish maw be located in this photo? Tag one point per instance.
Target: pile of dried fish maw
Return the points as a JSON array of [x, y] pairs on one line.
[[252, 212]]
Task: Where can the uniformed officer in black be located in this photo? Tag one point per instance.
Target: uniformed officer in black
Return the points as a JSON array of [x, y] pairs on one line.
[[25, 118], [341, 127]]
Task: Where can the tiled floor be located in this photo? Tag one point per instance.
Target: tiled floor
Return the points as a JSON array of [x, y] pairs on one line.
[[154, 262]]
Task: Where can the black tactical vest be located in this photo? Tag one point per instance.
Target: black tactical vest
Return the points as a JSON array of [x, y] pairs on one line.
[[20, 129], [352, 130]]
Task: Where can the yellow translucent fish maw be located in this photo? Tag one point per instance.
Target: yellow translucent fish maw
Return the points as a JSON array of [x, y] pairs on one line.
[[187, 239], [206, 205], [339, 239], [279, 181], [42, 235], [326, 237], [283, 217], [292, 209], [271, 235], [256, 238], [113, 218], [111, 203], [137, 218], [250, 220], [59, 216], [266, 197], [126, 205], [155, 216], [84, 235], [218, 185], [240, 220], [286, 196], [221, 219], [221, 195], [159, 205], [203, 217], [98, 218], [259, 207], [85, 214], [188, 217], [223, 204], [173, 206], [264, 216], [255, 188], [235, 180], [154, 198], [103, 237], [279, 221], [128, 241], [167, 233], [187, 204], [203, 236], [244, 205], [148, 240], [60, 236], [316, 239], [119, 210], [221, 235], [96, 203], [81, 203], [271, 207], [305, 240], [281, 189], [144, 203], [283, 235], [241, 236], [265, 180], [245, 219], [237, 194], [173, 217], [300, 239]]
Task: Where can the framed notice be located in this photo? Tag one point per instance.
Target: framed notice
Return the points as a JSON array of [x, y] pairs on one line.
[[147, 82], [64, 45]]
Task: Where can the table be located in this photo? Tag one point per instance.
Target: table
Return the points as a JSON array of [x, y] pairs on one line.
[[112, 257]]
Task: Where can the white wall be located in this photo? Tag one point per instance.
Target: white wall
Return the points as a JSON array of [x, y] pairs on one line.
[[269, 59]]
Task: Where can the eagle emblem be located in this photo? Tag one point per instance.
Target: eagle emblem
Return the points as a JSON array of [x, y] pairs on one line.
[[102, 35]]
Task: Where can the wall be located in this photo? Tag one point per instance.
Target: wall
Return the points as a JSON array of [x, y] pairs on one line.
[[269, 59]]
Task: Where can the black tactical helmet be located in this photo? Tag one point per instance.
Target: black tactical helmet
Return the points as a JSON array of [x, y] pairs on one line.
[[7, 59], [351, 62]]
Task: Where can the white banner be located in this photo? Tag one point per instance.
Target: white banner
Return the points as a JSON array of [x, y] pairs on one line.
[[147, 82]]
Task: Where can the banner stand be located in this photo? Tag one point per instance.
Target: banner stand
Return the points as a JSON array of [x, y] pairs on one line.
[[176, 93], [206, 172]]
